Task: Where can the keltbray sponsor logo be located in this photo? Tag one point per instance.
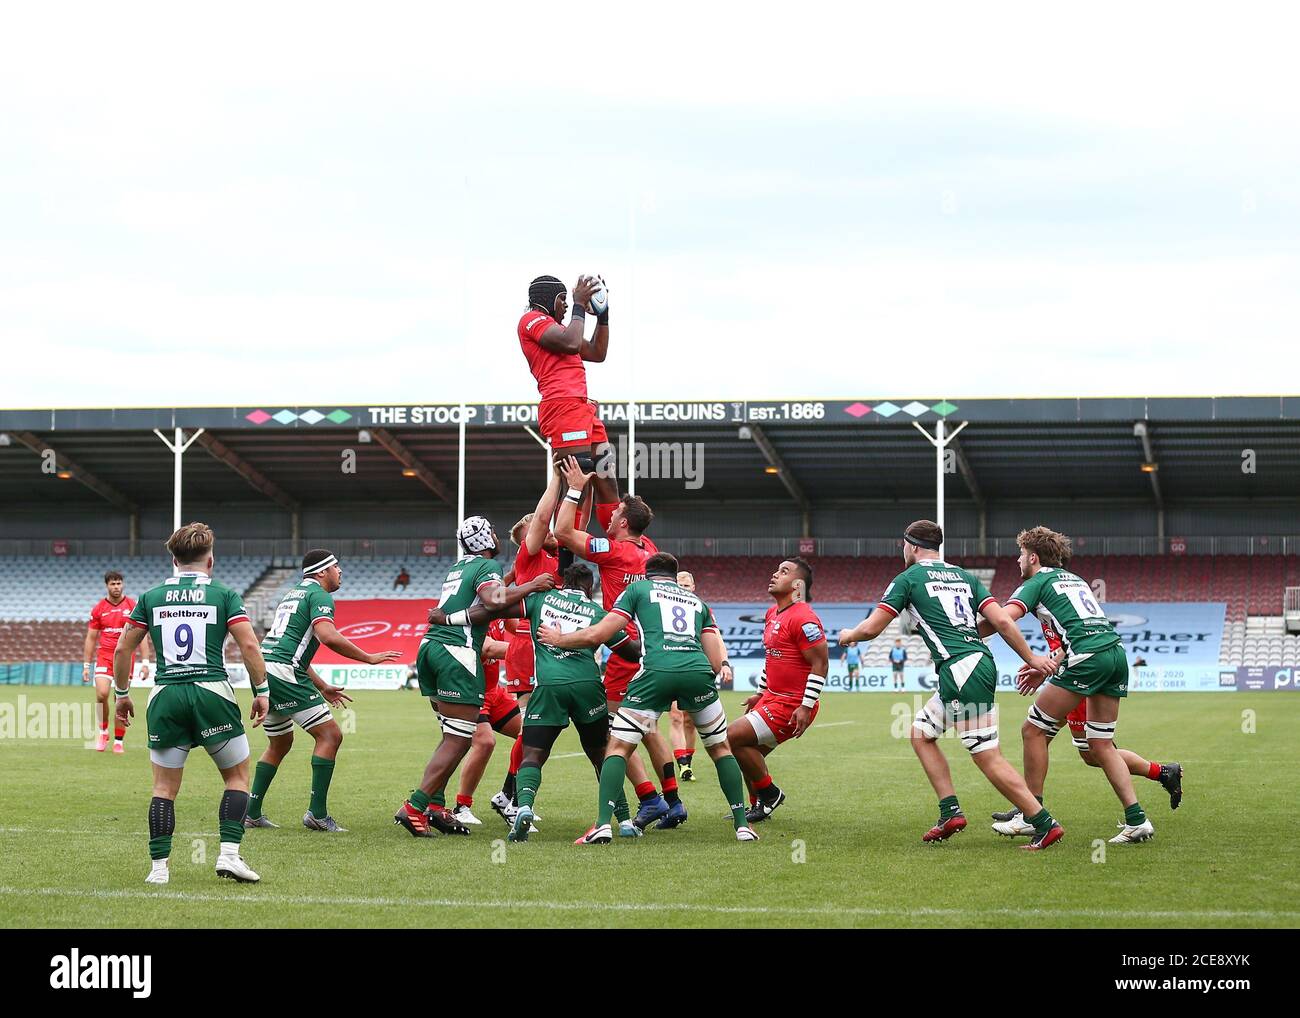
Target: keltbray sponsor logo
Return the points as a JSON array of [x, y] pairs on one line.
[[75, 971]]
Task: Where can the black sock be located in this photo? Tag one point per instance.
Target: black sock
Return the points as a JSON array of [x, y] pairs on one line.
[[230, 816], [686, 759], [508, 787], [770, 793], [650, 794], [671, 796], [162, 824]]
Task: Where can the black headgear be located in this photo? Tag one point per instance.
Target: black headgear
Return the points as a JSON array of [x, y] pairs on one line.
[[542, 292]]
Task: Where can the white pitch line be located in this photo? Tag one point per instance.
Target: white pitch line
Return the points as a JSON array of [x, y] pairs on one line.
[[255, 897]]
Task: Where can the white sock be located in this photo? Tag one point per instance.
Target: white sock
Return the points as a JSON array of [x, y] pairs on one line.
[[229, 850], [158, 865]]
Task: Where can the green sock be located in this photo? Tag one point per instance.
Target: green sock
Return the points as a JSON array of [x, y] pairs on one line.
[[263, 775], [1042, 821], [231, 831], [733, 787], [439, 797], [419, 801], [160, 847], [949, 808], [1135, 815], [621, 811], [322, 771], [527, 782], [1040, 799], [612, 774]]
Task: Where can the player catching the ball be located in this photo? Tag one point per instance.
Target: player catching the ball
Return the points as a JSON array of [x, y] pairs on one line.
[[556, 354], [943, 600], [790, 688]]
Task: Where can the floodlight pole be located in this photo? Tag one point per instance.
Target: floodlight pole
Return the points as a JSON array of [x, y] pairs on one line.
[[460, 474], [631, 447], [545, 443], [177, 449], [940, 442]]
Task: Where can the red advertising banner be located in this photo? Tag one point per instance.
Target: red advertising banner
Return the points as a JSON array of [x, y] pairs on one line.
[[377, 625]]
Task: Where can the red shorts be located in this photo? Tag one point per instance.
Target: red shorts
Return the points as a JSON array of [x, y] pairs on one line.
[[618, 675], [519, 665], [499, 706], [1076, 719], [772, 718], [571, 422]]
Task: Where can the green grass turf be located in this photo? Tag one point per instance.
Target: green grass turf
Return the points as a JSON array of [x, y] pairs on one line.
[[73, 835]]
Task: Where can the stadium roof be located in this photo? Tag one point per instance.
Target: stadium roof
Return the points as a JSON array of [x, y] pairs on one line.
[[822, 451]]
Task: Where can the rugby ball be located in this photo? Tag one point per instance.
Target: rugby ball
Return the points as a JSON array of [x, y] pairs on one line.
[[600, 298]]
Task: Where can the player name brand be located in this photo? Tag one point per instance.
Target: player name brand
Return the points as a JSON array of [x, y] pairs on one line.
[[75, 971], [193, 595]]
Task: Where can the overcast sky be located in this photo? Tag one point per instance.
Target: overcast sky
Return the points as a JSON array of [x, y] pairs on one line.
[[270, 203]]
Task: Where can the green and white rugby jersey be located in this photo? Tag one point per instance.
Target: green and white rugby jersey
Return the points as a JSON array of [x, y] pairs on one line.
[[943, 600], [570, 610], [187, 617], [671, 620], [291, 640], [1065, 603], [460, 592]]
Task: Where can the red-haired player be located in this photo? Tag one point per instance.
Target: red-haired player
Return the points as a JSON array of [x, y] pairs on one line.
[[789, 697], [107, 620]]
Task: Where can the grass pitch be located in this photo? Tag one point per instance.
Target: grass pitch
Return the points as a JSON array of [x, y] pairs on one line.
[[844, 850]]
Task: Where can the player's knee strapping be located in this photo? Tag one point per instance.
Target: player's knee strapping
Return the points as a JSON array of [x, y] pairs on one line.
[[631, 725], [1100, 730], [457, 727], [1046, 722], [980, 740], [930, 720], [711, 724]]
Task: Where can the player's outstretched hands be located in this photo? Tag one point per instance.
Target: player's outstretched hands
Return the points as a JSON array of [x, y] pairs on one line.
[[125, 711], [583, 289], [573, 474], [1043, 664], [802, 719], [260, 706], [335, 696], [1028, 679], [549, 635], [383, 657]]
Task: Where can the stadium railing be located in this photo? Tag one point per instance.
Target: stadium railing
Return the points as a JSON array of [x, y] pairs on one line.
[[763, 547]]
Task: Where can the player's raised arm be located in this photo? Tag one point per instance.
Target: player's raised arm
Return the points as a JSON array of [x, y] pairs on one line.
[[591, 636], [330, 637], [535, 535], [499, 599], [566, 532], [568, 338], [595, 349]]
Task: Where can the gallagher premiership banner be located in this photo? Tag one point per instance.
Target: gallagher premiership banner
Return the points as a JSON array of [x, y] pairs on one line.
[[1178, 642]]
